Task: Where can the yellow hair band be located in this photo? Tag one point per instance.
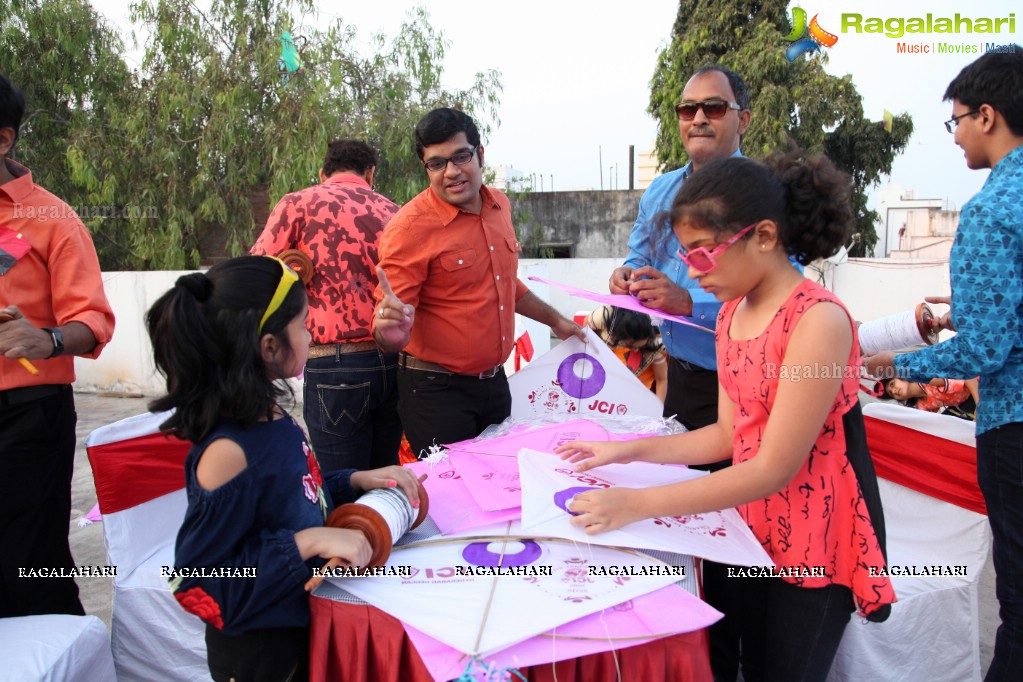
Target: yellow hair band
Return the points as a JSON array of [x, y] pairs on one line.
[[288, 277]]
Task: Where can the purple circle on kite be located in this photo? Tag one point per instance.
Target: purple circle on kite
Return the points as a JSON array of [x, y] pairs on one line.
[[479, 554], [562, 497], [577, 386]]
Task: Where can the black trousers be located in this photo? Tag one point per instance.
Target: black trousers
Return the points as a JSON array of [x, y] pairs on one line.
[[789, 633], [37, 456], [438, 408], [270, 655]]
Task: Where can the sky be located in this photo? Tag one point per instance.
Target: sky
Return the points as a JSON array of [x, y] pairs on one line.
[[576, 76]]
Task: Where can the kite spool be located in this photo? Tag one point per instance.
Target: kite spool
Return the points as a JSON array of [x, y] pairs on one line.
[[902, 330], [298, 261], [383, 515]]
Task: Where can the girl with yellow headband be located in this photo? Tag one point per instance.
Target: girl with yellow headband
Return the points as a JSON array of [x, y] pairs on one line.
[[257, 501]]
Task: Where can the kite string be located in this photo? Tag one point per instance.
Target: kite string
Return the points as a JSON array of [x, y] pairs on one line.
[[607, 630], [490, 598]]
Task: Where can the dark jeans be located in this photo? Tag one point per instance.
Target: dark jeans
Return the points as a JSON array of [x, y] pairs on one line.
[[271, 655], [1000, 474], [789, 633], [37, 456], [351, 410], [438, 408]]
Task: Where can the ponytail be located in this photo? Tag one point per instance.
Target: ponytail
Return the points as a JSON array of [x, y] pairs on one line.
[[206, 342]]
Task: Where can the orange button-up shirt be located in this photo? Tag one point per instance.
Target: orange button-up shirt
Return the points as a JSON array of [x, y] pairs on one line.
[[338, 225], [460, 272], [56, 282]]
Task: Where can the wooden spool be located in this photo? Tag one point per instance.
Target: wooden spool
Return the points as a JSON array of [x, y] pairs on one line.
[[298, 261], [360, 517]]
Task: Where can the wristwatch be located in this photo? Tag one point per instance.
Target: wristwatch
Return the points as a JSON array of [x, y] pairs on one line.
[[58, 342]]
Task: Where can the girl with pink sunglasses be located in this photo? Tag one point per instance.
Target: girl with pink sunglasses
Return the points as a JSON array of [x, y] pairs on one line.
[[788, 415]]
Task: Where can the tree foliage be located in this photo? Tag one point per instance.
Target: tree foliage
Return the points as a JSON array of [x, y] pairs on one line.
[[795, 101], [210, 124], [67, 61]]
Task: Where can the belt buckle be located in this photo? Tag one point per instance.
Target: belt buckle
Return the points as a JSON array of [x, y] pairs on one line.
[[490, 373]]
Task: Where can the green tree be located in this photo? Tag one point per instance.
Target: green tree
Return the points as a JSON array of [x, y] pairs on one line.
[[210, 125], [67, 61], [790, 101], [216, 125]]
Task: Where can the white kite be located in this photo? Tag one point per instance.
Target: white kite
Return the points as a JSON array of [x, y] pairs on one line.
[[548, 483], [582, 379], [454, 595]]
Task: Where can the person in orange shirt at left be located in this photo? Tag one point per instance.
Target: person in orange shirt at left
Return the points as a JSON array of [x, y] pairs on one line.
[[54, 308], [449, 291]]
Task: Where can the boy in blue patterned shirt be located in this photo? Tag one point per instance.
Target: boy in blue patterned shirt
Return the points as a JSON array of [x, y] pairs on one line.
[[986, 273]]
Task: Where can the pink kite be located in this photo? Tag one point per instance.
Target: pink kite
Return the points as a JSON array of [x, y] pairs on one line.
[[621, 301], [668, 611]]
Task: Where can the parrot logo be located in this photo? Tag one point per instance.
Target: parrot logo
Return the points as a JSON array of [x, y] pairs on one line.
[[802, 43]]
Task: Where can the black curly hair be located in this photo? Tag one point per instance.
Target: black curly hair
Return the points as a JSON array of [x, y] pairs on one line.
[[806, 196], [347, 154]]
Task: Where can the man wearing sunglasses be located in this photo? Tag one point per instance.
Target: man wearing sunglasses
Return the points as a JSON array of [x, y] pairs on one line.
[[986, 276], [449, 291], [713, 114]]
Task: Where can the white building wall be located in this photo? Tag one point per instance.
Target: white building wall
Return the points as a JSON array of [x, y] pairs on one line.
[[870, 289]]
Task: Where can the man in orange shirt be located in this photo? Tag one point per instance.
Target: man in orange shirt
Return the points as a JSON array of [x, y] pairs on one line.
[[51, 296], [449, 291]]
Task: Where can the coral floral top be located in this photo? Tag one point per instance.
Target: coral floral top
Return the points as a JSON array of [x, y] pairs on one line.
[[821, 517]]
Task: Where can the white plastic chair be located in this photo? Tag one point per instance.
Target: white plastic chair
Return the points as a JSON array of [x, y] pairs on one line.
[[55, 648], [933, 632], [139, 477]]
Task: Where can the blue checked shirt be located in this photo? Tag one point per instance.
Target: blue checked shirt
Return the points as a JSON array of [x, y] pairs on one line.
[[986, 272]]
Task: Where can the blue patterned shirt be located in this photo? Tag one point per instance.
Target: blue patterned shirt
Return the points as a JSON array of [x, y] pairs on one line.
[[986, 273]]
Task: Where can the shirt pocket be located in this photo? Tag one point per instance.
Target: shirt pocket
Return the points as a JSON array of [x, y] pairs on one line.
[[458, 260], [513, 244]]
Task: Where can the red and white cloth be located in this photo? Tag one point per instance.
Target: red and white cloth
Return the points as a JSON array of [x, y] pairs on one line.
[[934, 513], [140, 482]]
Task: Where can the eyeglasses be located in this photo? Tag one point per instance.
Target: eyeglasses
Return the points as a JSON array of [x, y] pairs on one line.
[[953, 123], [712, 109], [703, 260], [459, 159], [288, 277]]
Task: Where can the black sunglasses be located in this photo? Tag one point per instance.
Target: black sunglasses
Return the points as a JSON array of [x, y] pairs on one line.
[[712, 108]]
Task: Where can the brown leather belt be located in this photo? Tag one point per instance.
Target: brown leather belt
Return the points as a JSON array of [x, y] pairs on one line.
[[327, 349], [409, 362]]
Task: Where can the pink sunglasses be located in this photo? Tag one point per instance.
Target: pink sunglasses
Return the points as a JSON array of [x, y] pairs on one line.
[[703, 260]]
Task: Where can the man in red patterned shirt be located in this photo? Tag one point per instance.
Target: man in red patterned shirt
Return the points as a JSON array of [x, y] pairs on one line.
[[350, 394]]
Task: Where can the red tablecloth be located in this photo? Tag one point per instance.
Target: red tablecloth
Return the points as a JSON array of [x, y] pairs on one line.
[[355, 643]]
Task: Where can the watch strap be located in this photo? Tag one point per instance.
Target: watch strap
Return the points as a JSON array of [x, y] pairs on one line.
[[58, 342]]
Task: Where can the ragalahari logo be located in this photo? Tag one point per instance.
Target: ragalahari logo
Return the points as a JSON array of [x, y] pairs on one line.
[[806, 43]]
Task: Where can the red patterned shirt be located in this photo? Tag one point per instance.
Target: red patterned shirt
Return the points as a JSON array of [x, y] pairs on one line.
[[338, 225]]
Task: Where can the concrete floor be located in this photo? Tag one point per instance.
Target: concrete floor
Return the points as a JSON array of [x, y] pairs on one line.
[[96, 410]]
